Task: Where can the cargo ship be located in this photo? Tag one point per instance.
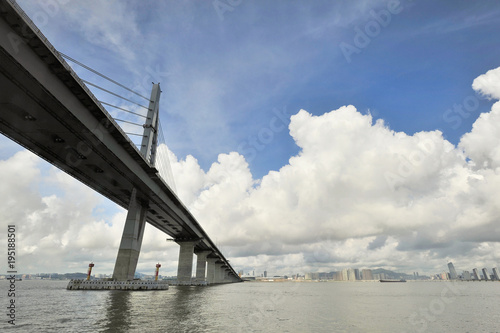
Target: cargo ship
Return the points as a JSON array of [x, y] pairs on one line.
[[402, 280]]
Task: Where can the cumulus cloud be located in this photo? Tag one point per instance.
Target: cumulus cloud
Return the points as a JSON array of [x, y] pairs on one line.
[[482, 143], [412, 198], [488, 84], [54, 232], [358, 194]]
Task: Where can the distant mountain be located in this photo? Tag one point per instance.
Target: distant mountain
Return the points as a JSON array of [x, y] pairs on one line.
[[395, 275], [73, 276], [57, 276]]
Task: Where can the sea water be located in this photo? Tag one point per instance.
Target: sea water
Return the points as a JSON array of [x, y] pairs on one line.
[[46, 306]]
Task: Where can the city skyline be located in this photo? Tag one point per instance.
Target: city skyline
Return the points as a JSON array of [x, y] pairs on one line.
[[323, 138], [466, 275]]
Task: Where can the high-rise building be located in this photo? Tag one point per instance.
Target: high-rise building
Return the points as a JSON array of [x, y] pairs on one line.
[[496, 274], [265, 273], [351, 275], [366, 274], [357, 273], [466, 276], [344, 275], [476, 274], [453, 272], [486, 275]]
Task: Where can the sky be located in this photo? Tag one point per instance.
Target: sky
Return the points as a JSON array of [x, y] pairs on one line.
[[303, 136]]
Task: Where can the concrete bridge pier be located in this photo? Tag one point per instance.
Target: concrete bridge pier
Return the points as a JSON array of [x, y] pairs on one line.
[[218, 272], [226, 275], [201, 266], [130, 245], [223, 274], [229, 276], [185, 266], [211, 270]]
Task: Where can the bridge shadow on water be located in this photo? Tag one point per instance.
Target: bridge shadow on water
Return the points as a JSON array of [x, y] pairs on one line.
[[179, 309], [118, 311]]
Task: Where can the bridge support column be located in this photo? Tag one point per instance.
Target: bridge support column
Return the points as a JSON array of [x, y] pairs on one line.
[[226, 274], [185, 266], [222, 273], [218, 272], [130, 245], [201, 265], [211, 270]]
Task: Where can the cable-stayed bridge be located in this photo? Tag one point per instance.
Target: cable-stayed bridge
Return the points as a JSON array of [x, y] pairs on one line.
[[47, 108]]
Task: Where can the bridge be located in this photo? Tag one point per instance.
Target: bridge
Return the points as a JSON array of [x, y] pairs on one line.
[[46, 108]]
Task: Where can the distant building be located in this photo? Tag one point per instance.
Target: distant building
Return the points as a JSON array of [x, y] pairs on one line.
[[476, 275], [265, 273], [453, 272], [366, 274], [357, 274], [351, 275], [496, 274], [466, 276], [486, 275], [344, 275]]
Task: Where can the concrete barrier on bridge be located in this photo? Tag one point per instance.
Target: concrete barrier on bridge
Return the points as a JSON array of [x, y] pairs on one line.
[[117, 285]]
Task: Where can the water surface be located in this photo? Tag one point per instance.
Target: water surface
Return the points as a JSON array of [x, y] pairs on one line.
[[46, 306]]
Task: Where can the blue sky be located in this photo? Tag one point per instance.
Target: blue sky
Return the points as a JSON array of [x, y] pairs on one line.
[[225, 76], [232, 75]]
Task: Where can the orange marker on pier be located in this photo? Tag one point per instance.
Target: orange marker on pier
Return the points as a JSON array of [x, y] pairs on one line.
[[90, 270], [157, 270]]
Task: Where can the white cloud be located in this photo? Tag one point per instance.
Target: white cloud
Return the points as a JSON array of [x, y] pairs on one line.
[[54, 233], [110, 25], [482, 143], [488, 84], [357, 194], [336, 192], [107, 24]]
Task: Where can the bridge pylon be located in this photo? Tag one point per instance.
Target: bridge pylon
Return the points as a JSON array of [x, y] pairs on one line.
[[130, 245]]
